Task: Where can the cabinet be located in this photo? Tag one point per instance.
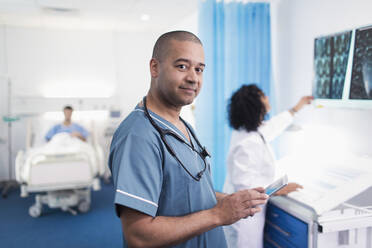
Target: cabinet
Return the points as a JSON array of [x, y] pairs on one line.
[[333, 210], [293, 224], [284, 230]]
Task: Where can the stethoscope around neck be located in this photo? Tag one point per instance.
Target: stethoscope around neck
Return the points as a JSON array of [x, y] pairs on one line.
[[163, 132]]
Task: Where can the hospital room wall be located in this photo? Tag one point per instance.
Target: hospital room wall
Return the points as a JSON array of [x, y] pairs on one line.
[[298, 23], [3, 106], [43, 62]]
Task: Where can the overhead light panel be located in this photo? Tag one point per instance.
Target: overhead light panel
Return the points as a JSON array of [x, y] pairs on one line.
[[145, 17]]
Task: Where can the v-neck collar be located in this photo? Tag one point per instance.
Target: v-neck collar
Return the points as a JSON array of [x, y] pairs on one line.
[[168, 125], [190, 135]]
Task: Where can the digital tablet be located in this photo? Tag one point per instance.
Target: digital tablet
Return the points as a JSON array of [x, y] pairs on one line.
[[277, 185]]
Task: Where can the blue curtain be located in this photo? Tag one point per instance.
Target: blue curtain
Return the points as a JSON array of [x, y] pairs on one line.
[[237, 44]]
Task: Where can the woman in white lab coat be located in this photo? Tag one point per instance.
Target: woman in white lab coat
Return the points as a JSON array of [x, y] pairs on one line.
[[250, 161]]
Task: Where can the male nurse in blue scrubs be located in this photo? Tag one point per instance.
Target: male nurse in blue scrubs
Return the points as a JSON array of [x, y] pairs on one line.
[[163, 189]]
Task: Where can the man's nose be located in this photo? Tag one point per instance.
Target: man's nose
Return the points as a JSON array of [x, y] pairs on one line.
[[192, 77]]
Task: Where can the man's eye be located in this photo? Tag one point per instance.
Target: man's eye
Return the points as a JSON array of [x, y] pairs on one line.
[[199, 70], [181, 66]]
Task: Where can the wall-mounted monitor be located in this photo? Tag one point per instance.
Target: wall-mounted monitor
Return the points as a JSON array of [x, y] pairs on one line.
[[343, 68]]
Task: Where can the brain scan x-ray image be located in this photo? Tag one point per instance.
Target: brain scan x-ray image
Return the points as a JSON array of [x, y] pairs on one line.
[[361, 77], [330, 63]]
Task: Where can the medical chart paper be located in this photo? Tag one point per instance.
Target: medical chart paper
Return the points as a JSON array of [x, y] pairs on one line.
[[329, 183]]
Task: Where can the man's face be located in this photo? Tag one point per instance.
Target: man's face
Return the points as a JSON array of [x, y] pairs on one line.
[[179, 76], [68, 114]]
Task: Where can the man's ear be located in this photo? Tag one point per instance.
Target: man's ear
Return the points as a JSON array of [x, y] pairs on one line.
[[154, 67]]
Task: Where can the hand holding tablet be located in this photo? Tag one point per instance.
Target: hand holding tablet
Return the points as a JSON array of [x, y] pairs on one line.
[[277, 185]]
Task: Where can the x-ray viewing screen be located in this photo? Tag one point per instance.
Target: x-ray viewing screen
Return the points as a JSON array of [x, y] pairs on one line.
[[361, 77], [331, 55]]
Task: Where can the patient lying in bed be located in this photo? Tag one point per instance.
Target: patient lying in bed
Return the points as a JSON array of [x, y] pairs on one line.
[[67, 126], [61, 172], [60, 145]]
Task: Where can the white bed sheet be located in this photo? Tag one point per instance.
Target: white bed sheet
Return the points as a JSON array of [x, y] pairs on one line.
[[61, 146]]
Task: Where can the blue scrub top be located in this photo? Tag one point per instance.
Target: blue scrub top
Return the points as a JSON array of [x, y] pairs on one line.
[[148, 179], [60, 128]]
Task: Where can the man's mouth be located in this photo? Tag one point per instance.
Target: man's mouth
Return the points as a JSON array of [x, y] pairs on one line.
[[188, 89]]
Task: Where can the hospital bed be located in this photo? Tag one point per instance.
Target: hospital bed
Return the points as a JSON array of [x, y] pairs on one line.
[[61, 172]]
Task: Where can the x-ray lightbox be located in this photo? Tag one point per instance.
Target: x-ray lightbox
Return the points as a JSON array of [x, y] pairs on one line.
[[343, 69]]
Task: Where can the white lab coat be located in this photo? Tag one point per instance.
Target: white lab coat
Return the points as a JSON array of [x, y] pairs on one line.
[[250, 164]]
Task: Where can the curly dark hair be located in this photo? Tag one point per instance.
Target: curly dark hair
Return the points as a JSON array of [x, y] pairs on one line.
[[246, 109]]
